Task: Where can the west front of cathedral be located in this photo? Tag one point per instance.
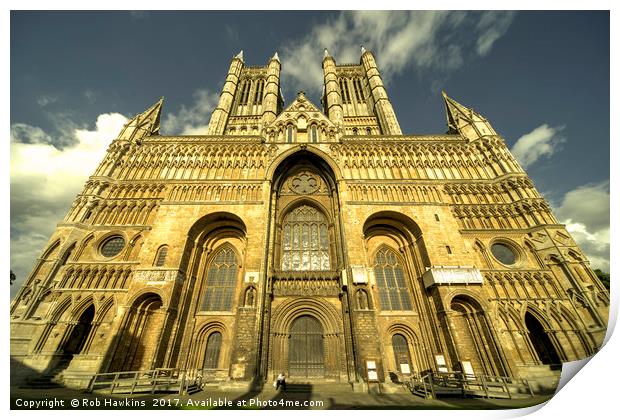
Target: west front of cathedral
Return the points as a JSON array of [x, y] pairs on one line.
[[317, 241]]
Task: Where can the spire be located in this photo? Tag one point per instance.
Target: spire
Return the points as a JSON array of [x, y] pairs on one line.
[[275, 57], [454, 113], [363, 50], [326, 54], [465, 121], [144, 124], [240, 55]]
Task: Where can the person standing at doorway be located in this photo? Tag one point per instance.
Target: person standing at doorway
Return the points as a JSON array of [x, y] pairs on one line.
[[281, 381]]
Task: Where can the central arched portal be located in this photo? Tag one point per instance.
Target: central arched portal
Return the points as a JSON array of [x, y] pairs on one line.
[[306, 257], [305, 351]]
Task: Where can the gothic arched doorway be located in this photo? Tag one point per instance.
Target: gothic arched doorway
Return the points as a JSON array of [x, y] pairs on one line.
[[402, 358], [76, 341], [305, 351], [544, 348], [472, 338], [139, 338], [212, 352]]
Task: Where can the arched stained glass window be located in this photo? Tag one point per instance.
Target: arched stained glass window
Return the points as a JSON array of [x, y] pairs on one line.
[[305, 240], [162, 253], [221, 281], [390, 277], [314, 136], [212, 353]]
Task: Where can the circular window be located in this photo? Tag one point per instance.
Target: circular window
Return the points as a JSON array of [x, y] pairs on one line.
[[504, 253], [112, 246]]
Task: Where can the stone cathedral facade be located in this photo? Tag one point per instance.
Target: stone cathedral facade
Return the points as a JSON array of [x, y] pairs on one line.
[[319, 241]]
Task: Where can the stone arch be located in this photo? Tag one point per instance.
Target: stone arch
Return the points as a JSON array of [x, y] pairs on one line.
[[205, 234], [324, 311], [61, 310], [83, 244], [385, 221], [105, 311], [80, 306], [533, 252], [574, 334], [333, 340], [324, 198], [206, 237], [201, 340], [70, 334], [545, 348], [472, 337], [139, 337], [309, 201], [400, 234], [483, 252], [55, 246], [415, 352], [307, 150]]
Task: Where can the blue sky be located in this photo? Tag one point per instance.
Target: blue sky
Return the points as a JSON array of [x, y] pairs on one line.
[[542, 79]]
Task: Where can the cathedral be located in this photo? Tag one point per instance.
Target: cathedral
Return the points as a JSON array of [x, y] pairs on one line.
[[316, 240]]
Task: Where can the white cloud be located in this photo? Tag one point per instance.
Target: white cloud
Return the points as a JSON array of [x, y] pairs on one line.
[[45, 100], [192, 120], [45, 180], [585, 211], [543, 141], [399, 39], [492, 26], [27, 134]]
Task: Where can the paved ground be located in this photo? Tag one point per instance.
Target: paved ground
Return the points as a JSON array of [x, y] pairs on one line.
[[303, 397]]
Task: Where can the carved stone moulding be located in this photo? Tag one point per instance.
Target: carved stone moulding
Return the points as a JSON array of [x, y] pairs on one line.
[[306, 288], [149, 276]]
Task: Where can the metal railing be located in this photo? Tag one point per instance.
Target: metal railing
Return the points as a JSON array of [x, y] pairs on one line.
[[487, 386], [147, 381]]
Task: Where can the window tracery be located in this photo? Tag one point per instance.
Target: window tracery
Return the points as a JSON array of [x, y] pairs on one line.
[[221, 281], [391, 282], [305, 240]]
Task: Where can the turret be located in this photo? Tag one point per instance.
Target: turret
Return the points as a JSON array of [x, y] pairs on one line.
[[222, 111], [272, 90], [383, 107], [144, 124], [332, 99], [465, 121]]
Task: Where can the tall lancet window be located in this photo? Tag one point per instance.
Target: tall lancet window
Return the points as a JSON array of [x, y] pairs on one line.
[[305, 240], [289, 134], [390, 277], [221, 281], [314, 135]]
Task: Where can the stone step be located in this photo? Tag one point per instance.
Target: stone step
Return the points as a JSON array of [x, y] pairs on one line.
[[314, 388]]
